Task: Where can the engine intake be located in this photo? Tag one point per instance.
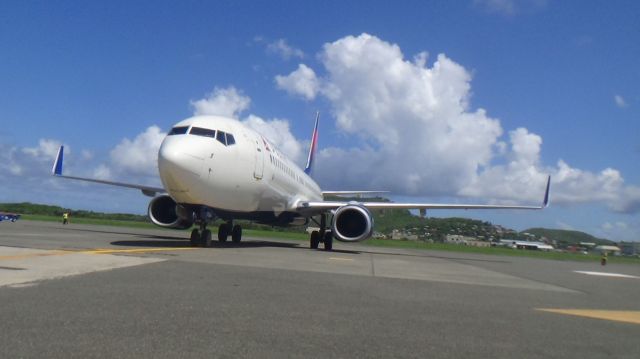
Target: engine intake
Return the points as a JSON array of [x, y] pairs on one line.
[[352, 223], [165, 212]]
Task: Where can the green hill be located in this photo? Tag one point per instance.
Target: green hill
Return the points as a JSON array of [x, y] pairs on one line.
[[56, 211], [566, 238]]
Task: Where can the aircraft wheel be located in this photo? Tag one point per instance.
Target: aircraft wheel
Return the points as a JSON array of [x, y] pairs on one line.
[[195, 238], [328, 241], [315, 239], [236, 233], [223, 232], [206, 238]]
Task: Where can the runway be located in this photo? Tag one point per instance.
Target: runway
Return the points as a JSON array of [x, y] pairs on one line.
[[78, 291]]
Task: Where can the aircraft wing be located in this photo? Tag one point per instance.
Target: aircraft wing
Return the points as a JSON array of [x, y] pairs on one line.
[[57, 172], [349, 193], [322, 206]]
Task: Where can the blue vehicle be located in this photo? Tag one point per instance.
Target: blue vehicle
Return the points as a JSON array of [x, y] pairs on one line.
[[9, 217]]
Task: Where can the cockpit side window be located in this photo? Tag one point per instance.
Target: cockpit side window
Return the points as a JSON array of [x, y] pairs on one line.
[[205, 132], [179, 130], [221, 137], [230, 139]]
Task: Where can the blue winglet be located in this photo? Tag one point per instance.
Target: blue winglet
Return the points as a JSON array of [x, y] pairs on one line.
[[545, 203], [57, 165], [312, 147]]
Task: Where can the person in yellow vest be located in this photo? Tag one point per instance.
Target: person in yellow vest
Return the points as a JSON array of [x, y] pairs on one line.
[[603, 259], [65, 218]]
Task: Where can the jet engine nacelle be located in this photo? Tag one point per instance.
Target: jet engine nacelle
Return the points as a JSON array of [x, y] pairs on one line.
[[165, 212], [352, 223]]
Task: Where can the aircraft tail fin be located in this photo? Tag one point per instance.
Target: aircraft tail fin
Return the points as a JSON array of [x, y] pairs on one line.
[[313, 147]]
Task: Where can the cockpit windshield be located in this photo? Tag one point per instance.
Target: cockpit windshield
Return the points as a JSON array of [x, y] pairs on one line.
[[179, 130], [226, 139], [205, 132]]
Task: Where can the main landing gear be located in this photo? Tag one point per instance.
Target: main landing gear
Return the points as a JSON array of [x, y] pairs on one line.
[[322, 235], [228, 228], [202, 237]]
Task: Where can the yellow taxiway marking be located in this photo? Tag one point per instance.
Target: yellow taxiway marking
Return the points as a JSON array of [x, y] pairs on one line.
[[136, 250], [44, 254], [340, 259], [92, 251], [625, 316]]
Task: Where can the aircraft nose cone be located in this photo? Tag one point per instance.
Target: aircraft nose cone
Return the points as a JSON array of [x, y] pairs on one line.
[[178, 169], [168, 155]]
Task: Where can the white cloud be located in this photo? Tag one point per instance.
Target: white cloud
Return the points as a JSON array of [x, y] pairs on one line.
[[284, 50], [619, 101], [102, 172], [279, 134], [302, 81], [27, 162], [137, 157], [86, 154], [223, 102], [47, 150], [565, 226], [620, 230], [417, 134], [510, 7]]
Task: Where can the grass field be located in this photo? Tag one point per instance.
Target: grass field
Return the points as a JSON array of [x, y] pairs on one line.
[[371, 242]]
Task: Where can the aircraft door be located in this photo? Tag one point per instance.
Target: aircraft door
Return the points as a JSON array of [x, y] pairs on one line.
[[259, 161]]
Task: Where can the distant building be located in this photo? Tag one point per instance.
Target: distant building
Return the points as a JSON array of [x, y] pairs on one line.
[[477, 243], [608, 249], [511, 243], [458, 239], [402, 234], [630, 248]]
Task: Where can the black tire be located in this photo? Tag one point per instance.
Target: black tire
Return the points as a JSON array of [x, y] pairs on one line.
[[195, 238], [328, 241], [236, 233], [206, 238], [314, 240], [223, 232]]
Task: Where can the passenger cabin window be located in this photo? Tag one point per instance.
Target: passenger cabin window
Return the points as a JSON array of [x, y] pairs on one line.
[[180, 130], [205, 132]]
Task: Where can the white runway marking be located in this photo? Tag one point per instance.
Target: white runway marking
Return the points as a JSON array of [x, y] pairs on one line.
[[605, 274], [21, 267]]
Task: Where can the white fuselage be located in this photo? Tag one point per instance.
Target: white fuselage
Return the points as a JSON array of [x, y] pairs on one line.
[[241, 173]]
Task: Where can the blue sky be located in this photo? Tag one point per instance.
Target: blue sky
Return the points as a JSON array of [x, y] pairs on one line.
[[97, 76]]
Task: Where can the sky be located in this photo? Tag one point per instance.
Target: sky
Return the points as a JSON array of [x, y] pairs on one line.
[[439, 101]]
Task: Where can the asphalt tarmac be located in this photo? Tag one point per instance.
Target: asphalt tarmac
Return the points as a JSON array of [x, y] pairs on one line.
[[96, 291]]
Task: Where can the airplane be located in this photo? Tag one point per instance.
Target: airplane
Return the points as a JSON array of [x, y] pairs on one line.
[[9, 217], [216, 167]]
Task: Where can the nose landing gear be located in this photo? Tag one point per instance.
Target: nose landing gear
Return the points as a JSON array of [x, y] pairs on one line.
[[200, 238]]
